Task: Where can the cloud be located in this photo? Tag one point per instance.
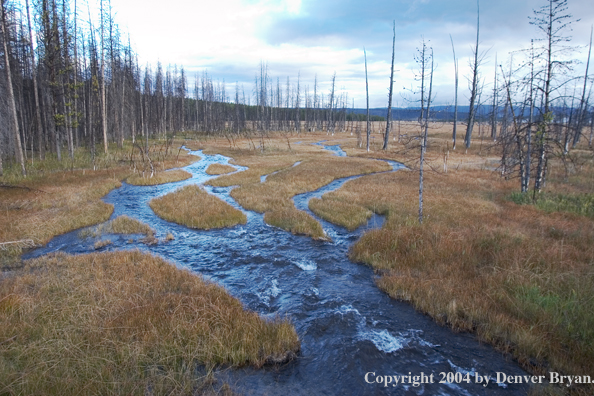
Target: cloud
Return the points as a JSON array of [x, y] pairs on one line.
[[230, 38]]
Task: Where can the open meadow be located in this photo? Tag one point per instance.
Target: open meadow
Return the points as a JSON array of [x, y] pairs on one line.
[[516, 272]]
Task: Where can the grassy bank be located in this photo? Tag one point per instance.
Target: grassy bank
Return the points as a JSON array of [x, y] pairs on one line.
[[517, 275], [274, 196], [120, 225], [55, 199], [124, 323], [219, 169], [195, 208], [159, 178], [342, 213], [61, 196]]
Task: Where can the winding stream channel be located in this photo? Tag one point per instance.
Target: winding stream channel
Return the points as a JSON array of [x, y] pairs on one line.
[[347, 326]]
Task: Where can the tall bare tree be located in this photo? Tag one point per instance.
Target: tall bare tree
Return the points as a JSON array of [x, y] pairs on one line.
[[474, 86], [424, 127], [581, 116], [553, 21], [11, 98], [455, 95], [367, 95], [389, 115]]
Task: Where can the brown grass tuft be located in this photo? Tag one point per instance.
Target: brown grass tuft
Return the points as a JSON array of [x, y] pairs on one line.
[[120, 225], [193, 207], [102, 243], [338, 212], [56, 200], [125, 323], [159, 178], [274, 197], [219, 169]]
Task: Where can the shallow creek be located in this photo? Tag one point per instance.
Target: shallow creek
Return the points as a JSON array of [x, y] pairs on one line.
[[348, 327]]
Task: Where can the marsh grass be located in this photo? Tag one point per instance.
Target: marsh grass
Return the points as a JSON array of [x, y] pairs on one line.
[[274, 197], [519, 277], [219, 169], [125, 323], [58, 203], [159, 178], [120, 225], [342, 213], [258, 165], [102, 243], [195, 208], [54, 199], [581, 204]]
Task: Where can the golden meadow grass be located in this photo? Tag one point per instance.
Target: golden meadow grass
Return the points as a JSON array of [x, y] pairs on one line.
[[102, 243], [519, 277], [195, 208], [274, 196], [120, 225], [339, 212], [159, 178], [219, 169], [55, 201], [125, 323]]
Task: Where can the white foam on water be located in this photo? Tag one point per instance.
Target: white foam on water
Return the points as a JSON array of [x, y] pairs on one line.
[[270, 292], [274, 289], [384, 341], [306, 265], [345, 309]]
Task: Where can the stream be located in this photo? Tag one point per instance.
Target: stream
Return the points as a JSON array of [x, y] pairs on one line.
[[348, 328]]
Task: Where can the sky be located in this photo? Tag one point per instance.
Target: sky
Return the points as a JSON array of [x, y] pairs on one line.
[[307, 38]]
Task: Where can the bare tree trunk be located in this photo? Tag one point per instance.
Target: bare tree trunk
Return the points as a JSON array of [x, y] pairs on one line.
[[517, 136], [11, 100], [331, 106], [389, 117], [75, 112], [526, 182], [495, 109], [35, 89], [103, 96], [424, 143], [367, 93], [584, 102], [473, 92], [455, 96]]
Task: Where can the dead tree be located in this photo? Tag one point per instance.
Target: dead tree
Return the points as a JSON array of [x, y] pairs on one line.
[[425, 128], [494, 109], [367, 94], [455, 96], [103, 88], [39, 126], [581, 117], [474, 87], [552, 20], [389, 115], [11, 99]]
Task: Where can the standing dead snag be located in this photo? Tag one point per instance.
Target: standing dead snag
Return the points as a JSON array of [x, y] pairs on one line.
[[424, 127], [552, 20], [473, 90], [11, 100], [367, 93], [581, 118], [455, 96], [389, 116]]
